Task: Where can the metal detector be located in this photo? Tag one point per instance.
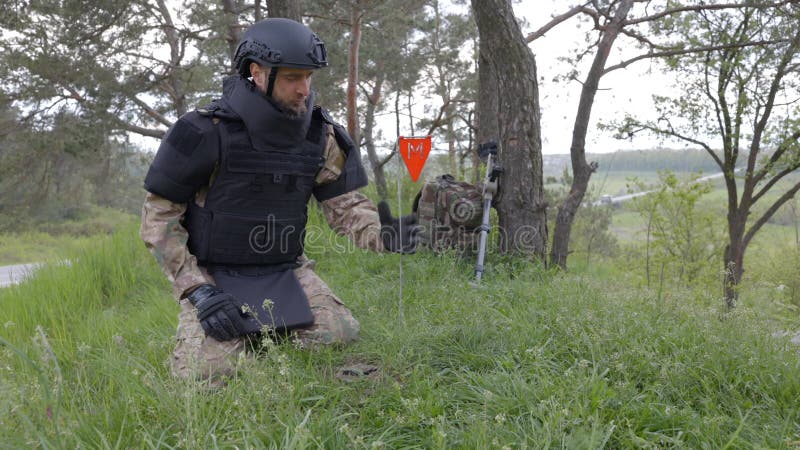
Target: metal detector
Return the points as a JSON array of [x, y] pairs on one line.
[[487, 151]]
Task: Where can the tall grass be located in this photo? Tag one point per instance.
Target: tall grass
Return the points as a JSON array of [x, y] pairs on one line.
[[530, 359], [37, 247], [42, 240]]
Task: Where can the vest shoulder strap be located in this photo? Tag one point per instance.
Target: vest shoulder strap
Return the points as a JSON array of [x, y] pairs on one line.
[[216, 110], [322, 114]]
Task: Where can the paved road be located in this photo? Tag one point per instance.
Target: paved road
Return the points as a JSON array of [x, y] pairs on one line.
[[608, 200], [14, 274]]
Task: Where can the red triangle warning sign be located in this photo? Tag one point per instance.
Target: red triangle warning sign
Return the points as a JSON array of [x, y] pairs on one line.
[[414, 151]]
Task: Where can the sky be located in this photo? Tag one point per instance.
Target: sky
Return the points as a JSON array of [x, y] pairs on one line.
[[622, 91]]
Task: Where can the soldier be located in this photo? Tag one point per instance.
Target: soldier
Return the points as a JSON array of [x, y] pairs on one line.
[[226, 208]]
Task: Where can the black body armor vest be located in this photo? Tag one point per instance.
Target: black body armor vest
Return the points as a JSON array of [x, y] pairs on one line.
[[255, 211]]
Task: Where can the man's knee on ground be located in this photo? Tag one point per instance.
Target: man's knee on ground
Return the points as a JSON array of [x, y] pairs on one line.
[[333, 323], [196, 367], [197, 356]]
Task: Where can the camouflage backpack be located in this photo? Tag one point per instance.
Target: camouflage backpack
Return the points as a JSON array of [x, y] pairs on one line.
[[449, 213]]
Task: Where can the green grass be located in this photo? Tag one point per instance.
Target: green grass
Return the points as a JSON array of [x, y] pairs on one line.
[[50, 241], [36, 246], [530, 360], [617, 182]]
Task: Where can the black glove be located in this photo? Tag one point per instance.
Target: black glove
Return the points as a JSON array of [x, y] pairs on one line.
[[217, 313], [391, 228]]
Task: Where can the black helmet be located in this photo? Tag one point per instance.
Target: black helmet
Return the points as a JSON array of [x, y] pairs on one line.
[[280, 43]]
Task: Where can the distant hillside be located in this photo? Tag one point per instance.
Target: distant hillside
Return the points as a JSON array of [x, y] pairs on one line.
[[693, 160]]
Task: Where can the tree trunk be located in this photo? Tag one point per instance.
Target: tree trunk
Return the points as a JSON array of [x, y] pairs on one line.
[[352, 74], [174, 85], [581, 170], [470, 151], [289, 9], [486, 115], [796, 220], [369, 126], [397, 113], [734, 260], [451, 150], [520, 203], [647, 248], [476, 164], [257, 14], [234, 29], [409, 95]]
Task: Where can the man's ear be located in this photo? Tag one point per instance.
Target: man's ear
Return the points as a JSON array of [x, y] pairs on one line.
[[259, 74]]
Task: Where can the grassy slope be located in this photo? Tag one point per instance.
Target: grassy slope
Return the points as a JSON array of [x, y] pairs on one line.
[[530, 360], [52, 241]]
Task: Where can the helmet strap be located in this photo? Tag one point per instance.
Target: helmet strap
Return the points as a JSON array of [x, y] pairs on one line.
[[271, 81]]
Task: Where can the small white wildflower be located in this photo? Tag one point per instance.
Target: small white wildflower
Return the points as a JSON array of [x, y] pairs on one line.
[[83, 348], [410, 403], [500, 418]]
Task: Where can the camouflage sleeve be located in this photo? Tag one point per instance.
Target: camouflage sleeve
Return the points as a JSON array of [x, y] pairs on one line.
[[166, 239], [355, 216], [334, 159]]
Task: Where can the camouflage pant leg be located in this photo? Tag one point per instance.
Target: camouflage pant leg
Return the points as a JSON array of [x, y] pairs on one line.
[[199, 356], [333, 322]]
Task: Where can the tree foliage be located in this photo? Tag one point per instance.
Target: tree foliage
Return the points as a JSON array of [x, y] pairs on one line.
[[451, 79], [638, 22], [133, 66], [738, 101], [686, 160], [79, 77], [129, 64], [404, 48], [56, 173]]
